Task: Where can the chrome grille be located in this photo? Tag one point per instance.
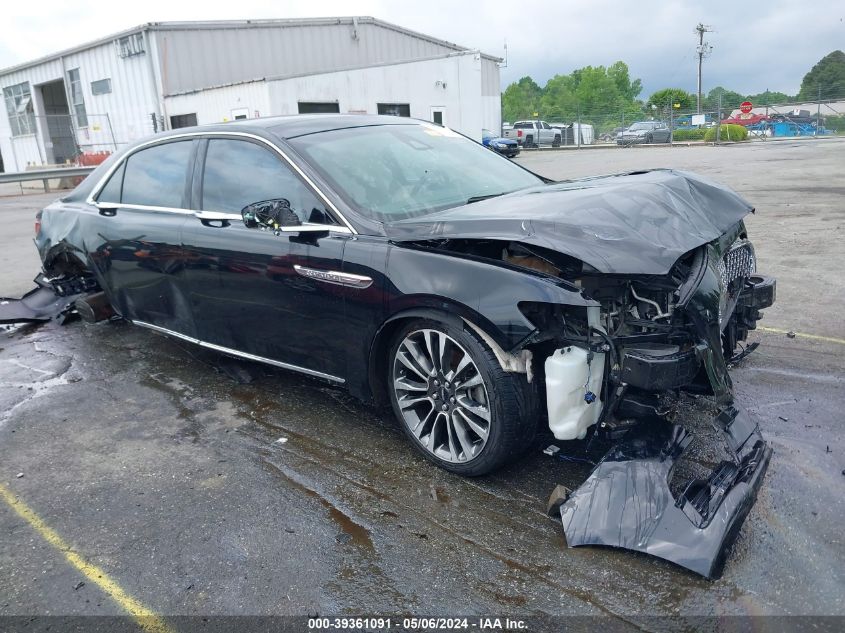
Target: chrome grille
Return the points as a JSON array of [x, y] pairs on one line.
[[737, 265]]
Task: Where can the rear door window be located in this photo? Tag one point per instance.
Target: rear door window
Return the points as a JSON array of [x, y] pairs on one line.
[[156, 176]]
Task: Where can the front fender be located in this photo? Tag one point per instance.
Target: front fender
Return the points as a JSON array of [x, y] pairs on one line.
[[484, 292]]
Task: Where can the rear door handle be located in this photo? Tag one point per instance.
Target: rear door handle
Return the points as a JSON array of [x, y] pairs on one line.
[[109, 212]]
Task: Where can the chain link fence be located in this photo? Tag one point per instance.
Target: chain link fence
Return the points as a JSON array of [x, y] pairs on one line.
[[668, 124], [56, 139]]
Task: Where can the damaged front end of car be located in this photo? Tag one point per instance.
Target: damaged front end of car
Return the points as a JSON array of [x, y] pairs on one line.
[[619, 367], [655, 324]]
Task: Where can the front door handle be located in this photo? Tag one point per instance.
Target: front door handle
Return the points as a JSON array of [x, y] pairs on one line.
[[206, 216], [108, 212]]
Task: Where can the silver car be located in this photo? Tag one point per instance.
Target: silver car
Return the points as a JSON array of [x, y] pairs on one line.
[[644, 132]]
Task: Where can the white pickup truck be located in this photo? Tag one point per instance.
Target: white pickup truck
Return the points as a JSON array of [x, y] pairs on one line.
[[534, 134]]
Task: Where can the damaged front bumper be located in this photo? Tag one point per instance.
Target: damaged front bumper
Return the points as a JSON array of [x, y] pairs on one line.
[[627, 502]]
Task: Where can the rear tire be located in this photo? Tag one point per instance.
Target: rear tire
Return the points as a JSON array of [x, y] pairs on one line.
[[469, 430], [649, 139], [556, 141]]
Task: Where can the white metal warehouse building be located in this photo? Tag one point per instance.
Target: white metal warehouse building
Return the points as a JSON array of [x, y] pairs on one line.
[[105, 94]]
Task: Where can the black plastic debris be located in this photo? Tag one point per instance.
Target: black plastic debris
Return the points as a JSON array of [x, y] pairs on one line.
[[50, 299], [626, 501]]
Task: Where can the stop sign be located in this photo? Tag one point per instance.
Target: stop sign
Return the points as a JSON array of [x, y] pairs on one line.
[[745, 107]]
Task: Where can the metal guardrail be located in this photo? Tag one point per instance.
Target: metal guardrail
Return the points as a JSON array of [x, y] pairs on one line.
[[45, 174]]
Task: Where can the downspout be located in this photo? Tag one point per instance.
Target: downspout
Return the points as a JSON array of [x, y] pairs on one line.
[[161, 111]]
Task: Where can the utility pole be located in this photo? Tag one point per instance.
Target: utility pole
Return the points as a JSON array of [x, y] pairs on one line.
[[819, 111], [703, 50], [719, 121]]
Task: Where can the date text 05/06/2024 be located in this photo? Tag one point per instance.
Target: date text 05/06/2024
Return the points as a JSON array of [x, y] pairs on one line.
[[415, 624]]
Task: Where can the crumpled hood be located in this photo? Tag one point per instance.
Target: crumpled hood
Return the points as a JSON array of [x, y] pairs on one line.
[[636, 223]]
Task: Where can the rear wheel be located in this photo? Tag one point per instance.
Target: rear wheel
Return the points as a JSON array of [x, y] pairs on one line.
[[454, 401], [649, 139], [529, 141], [556, 141]]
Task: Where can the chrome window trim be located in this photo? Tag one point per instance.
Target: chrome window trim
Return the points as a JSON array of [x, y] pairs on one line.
[[234, 352], [101, 183]]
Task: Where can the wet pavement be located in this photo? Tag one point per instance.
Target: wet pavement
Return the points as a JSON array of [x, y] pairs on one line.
[[199, 495]]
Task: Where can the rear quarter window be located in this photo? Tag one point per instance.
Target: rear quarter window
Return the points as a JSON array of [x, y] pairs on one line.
[[113, 189]]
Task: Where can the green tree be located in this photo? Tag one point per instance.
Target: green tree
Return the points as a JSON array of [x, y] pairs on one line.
[[769, 97], [603, 97], [663, 97], [521, 100], [730, 99], [827, 77], [596, 95], [629, 90]]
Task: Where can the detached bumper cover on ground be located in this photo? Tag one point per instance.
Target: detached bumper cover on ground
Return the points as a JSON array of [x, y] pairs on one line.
[[50, 299], [626, 501]]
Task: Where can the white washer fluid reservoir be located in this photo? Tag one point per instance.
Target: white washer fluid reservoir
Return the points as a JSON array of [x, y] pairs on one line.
[[567, 373]]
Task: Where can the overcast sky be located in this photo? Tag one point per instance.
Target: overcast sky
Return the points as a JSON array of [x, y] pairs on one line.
[[756, 45]]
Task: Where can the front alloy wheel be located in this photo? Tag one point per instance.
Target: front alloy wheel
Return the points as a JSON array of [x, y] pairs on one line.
[[454, 401], [442, 397]]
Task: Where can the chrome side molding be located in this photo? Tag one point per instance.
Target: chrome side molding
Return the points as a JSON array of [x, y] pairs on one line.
[[234, 352], [335, 277]]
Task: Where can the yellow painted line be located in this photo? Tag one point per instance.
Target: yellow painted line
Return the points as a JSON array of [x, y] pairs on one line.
[[147, 619], [815, 337]]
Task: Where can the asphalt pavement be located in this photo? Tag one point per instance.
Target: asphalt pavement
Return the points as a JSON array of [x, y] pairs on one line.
[[198, 495]]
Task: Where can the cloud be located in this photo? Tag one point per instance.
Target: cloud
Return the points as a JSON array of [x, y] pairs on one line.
[[756, 47]]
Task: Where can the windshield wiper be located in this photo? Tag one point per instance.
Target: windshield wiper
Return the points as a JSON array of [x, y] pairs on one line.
[[480, 198]]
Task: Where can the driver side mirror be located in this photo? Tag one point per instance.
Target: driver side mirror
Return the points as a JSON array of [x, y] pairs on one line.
[[269, 215]]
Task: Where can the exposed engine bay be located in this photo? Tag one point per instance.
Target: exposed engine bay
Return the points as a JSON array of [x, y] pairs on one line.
[[617, 368]]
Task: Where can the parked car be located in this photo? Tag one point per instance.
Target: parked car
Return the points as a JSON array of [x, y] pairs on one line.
[[405, 263], [645, 132], [610, 137], [534, 134], [504, 146]]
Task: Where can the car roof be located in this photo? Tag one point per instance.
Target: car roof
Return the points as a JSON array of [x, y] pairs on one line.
[[292, 126]]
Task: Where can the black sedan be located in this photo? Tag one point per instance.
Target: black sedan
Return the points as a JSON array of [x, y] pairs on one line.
[[411, 266]]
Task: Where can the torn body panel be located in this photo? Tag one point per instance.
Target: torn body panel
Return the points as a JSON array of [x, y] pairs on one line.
[[50, 299], [626, 502]]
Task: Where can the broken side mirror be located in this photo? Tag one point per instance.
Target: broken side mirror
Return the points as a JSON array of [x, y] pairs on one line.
[[270, 215]]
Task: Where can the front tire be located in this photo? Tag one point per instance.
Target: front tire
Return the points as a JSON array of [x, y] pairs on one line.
[[453, 400]]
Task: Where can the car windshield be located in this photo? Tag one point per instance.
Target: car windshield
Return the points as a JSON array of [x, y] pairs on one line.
[[394, 172], [641, 126]]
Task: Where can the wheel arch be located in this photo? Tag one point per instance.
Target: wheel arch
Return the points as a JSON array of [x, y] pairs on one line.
[[452, 313]]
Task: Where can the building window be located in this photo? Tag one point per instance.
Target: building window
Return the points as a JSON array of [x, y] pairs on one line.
[[130, 45], [19, 108], [101, 87], [319, 107], [394, 109], [183, 120], [76, 100]]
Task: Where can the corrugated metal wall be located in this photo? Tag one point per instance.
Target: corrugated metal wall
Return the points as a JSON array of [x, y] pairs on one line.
[[491, 85], [192, 59], [452, 83], [116, 118], [217, 105]]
